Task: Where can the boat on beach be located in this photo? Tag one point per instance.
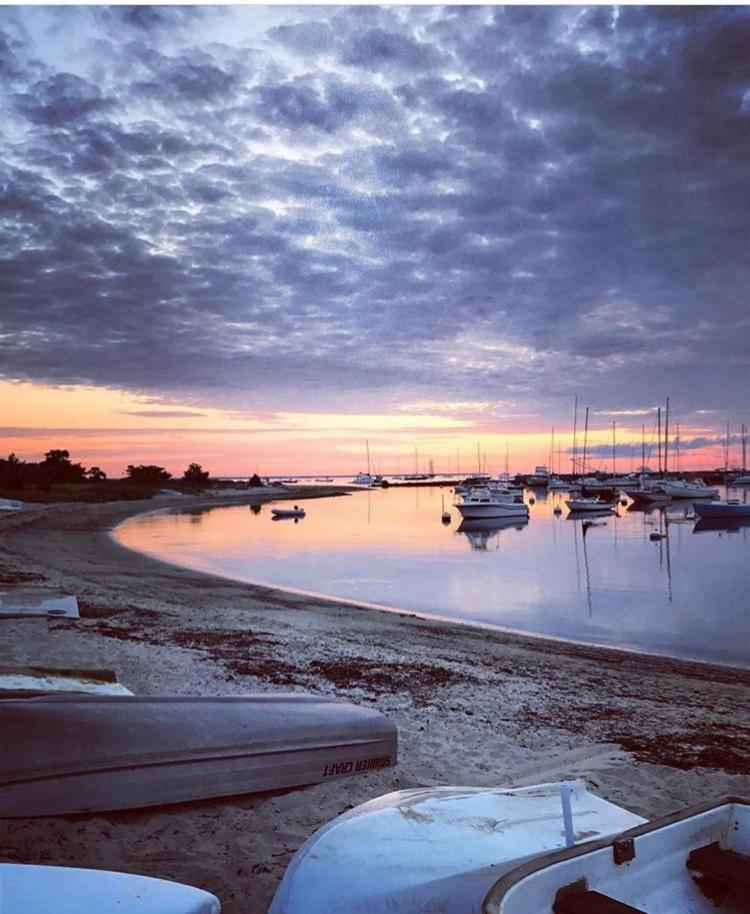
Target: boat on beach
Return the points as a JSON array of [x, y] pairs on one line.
[[67, 753], [436, 849], [485, 503], [32, 889], [692, 862]]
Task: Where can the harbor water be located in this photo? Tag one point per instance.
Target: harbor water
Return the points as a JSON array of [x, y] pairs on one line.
[[656, 581]]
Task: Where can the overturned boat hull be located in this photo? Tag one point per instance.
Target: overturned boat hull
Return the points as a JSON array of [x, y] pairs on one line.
[[69, 890], [75, 754], [434, 850]]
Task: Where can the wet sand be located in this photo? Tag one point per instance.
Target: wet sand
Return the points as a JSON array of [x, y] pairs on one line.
[[473, 707]]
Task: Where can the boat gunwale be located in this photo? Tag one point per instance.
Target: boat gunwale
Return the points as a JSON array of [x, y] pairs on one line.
[[495, 896]]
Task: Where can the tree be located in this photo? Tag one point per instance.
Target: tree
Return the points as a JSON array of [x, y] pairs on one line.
[[12, 472], [95, 474], [195, 475], [148, 475], [57, 468]]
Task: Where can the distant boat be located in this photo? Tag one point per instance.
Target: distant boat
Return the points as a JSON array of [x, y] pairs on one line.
[[721, 509], [65, 754], [680, 488], [696, 861], [589, 504], [364, 479], [436, 849], [26, 888], [288, 512], [483, 503], [540, 476], [556, 483]]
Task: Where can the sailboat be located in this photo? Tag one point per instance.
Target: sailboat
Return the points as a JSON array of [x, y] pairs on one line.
[[365, 479], [744, 478]]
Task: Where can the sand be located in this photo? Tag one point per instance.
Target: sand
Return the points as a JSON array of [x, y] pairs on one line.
[[473, 707]]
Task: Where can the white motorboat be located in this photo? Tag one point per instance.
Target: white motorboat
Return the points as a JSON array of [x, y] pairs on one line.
[[556, 483], [69, 753], [582, 503], [27, 889], [681, 488], [288, 512], [364, 479], [731, 507], [10, 504], [743, 480], [484, 503], [694, 862], [540, 476], [436, 849]]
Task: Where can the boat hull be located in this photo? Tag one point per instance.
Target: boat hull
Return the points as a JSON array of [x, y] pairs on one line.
[[487, 512], [433, 850], [69, 890], [76, 754], [721, 510]]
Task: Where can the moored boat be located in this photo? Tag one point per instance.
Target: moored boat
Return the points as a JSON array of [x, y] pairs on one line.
[[288, 512], [722, 508], [28, 888], [681, 488], [694, 862], [484, 503], [435, 849], [540, 477], [86, 753], [582, 503]]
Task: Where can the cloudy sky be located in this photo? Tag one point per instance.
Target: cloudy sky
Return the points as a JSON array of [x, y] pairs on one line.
[[261, 227]]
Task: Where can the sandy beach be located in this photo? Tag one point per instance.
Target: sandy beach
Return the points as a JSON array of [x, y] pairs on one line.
[[473, 707]]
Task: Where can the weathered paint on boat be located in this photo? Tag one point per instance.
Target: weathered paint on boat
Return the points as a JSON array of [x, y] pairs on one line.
[[434, 850], [84, 753]]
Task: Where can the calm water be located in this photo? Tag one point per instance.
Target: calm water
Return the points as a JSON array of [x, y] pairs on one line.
[[684, 595]]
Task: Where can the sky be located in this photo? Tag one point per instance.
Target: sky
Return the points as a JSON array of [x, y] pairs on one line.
[[257, 237]]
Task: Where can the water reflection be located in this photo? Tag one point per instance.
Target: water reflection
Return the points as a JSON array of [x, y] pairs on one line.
[[638, 578]]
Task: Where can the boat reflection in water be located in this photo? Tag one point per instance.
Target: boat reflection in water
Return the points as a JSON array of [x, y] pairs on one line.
[[479, 532]]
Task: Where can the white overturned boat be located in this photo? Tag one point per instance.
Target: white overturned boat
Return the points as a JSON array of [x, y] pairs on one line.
[[436, 850], [67, 890], [582, 503], [484, 503], [722, 509], [70, 753], [288, 512], [695, 862]]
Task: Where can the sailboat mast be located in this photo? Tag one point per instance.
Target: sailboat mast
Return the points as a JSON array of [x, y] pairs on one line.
[[658, 434], [666, 437], [726, 449], [643, 449], [506, 457], [614, 451], [479, 459], [575, 429], [367, 445], [585, 441], [416, 461]]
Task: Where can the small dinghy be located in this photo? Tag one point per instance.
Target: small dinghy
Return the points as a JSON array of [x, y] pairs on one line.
[[70, 753], [695, 862], [436, 850], [288, 512], [28, 889]]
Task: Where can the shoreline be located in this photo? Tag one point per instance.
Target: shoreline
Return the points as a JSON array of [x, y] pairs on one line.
[[473, 706]]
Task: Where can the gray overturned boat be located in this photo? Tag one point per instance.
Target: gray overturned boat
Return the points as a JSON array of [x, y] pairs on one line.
[[68, 753]]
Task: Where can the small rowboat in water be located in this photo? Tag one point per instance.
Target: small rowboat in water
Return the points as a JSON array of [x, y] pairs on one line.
[[589, 504], [288, 512], [694, 862], [436, 850], [67, 890], [67, 753]]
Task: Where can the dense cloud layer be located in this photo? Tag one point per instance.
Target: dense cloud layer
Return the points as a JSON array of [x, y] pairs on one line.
[[353, 207]]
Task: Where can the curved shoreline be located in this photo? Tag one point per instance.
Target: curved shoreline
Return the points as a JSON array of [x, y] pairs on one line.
[[524, 635], [473, 707]]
